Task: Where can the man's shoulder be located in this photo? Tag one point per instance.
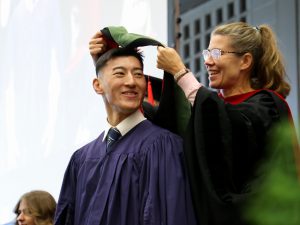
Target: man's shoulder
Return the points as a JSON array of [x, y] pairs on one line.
[[153, 131], [90, 146], [157, 129]]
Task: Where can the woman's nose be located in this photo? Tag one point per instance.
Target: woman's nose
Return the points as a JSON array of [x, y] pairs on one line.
[[209, 60], [20, 217]]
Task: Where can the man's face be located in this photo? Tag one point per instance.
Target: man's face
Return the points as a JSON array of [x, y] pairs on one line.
[[122, 85]]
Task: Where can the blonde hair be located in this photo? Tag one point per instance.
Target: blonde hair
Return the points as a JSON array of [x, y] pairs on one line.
[[268, 69], [41, 205]]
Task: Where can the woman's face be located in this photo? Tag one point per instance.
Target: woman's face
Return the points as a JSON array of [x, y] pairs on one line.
[[224, 72], [24, 216]]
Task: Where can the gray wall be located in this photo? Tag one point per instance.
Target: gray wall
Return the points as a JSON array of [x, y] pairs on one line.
[[284, 19], [283, 16]]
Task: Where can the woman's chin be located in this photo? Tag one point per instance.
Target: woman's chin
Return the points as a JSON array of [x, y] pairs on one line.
[[214, 85]]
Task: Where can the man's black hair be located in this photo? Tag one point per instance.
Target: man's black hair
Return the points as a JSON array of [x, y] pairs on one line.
[[117, 52]]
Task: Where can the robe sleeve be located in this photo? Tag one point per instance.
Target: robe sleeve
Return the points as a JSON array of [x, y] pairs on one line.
[[224, 146], [163, 184], [64, 214]]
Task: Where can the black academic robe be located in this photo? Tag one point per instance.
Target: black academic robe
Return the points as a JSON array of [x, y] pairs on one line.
[[225, 143]]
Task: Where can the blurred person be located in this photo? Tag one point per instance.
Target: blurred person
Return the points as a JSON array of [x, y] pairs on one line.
[[35, 208]]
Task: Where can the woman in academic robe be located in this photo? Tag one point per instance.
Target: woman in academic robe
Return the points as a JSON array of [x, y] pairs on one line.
[[230, 128]]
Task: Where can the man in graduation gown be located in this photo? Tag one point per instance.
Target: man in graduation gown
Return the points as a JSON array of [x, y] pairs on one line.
[[139, 178]]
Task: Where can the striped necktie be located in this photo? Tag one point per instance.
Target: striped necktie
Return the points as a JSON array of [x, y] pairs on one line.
[[112, 136]]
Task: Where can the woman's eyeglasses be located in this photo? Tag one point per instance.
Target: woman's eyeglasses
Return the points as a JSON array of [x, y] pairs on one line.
[[216, 53]]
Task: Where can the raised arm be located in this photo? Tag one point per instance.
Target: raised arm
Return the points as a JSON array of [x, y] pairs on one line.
[[169, 60], [97, 46]]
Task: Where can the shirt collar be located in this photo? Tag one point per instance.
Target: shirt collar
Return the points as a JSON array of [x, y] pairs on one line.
[[127, 124]]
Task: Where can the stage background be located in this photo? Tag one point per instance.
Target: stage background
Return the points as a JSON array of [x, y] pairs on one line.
[[48, 106]]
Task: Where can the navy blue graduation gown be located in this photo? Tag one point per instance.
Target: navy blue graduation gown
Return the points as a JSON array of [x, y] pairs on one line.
[[141, 180]]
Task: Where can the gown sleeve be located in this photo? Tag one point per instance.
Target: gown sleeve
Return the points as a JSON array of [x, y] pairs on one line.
[[163, 183], [224, 146], [64, 214]]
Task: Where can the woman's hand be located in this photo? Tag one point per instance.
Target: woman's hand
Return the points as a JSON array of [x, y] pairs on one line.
[[97, 46], [169, 60]]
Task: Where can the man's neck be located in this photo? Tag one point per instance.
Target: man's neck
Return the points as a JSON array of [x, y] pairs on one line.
[[115, 118], [128, 123]]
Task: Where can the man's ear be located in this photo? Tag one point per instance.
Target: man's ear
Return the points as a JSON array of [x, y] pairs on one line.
[[247, 61], [98, 86]]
